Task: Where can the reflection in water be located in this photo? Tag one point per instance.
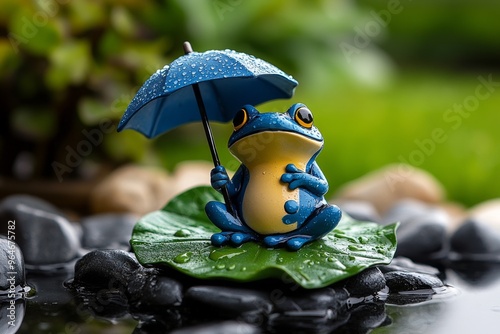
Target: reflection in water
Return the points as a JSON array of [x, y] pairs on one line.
[[55, 310], [11, 315]]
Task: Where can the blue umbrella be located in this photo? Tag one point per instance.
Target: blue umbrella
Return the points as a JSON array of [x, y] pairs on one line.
[[212, 85]]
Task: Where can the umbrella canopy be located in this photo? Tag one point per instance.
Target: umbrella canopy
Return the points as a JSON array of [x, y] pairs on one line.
[[206, 86], [227, 80]]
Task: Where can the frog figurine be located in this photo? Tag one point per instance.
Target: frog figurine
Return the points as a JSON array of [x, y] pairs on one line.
[[278, 190]]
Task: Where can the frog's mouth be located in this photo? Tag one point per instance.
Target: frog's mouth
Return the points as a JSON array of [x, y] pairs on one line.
[[280, 147]]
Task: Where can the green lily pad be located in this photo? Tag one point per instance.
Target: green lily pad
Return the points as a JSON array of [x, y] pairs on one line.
[[179, 236]]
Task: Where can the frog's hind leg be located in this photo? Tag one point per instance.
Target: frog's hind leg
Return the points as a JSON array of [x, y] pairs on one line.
[[233, 230], [322, 222]]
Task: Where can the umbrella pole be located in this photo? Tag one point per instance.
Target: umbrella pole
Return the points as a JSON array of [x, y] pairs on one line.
[[208, 133], [211, 144]]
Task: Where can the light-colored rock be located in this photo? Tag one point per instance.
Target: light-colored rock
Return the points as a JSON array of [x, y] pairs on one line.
[[132, 188], [487, 212], [392, 183], [191, 174]]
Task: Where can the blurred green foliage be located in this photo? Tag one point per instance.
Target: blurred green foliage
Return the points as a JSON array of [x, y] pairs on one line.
[[380, 77]]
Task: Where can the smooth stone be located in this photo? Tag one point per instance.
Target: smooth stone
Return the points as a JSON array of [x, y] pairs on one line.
[[107, 269], [366, 283], [303, 300], [112, 231], [385, 186], [487, 212], [226, 327], [9, 208], [11, 267], [8, 324], [308, 321], [227, 302], [475, 237], [360, 210], [401, 263], [157, 292], [402, 281], [422, 234], [132, 189], [44, 236]]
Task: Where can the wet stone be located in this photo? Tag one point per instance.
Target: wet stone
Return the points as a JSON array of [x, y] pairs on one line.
[[12, 277], [368, 282], [227, 327], [401, 263], [402, 281], [157, 293], [422, 234], [475, 237], [106, 269], [44, 236], [227, 302], [9, 208], [111, 231]]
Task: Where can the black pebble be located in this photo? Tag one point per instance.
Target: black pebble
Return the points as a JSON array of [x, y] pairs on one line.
[[227, 302], [422, 232], [367, 282], [107, 269], [401, 281], [475, 237]]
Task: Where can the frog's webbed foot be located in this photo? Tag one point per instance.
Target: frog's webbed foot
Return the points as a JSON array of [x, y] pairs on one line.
[[323, 221], [233, 230]]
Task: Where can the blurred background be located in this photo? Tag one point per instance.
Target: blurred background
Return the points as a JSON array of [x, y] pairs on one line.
[[388, 82]]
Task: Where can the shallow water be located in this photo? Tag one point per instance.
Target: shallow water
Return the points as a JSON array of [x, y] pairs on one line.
[[472, 305]]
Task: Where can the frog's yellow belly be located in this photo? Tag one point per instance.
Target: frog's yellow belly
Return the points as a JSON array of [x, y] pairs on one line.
[[266, 155], [263, 206]]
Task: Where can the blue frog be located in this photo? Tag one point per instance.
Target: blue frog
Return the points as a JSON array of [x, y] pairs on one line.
[[278, 190]]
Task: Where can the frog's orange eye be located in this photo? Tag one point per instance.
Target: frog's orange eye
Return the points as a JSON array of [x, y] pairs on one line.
[[240, 119], [304, 117]]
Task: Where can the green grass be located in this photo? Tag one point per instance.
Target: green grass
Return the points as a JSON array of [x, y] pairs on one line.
[[366, 128]]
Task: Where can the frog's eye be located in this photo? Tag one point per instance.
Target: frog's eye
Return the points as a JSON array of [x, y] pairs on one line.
[[304, 117], [240, 119]]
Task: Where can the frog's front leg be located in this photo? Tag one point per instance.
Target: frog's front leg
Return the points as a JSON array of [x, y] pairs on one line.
[[315, 182], [320, 223]]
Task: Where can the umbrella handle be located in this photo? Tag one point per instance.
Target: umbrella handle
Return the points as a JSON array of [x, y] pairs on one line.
[[211, 145], [208, 132]]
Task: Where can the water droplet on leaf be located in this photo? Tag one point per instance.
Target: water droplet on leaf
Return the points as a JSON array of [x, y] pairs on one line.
[[183, 258], [225, 253], [182, 233]]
